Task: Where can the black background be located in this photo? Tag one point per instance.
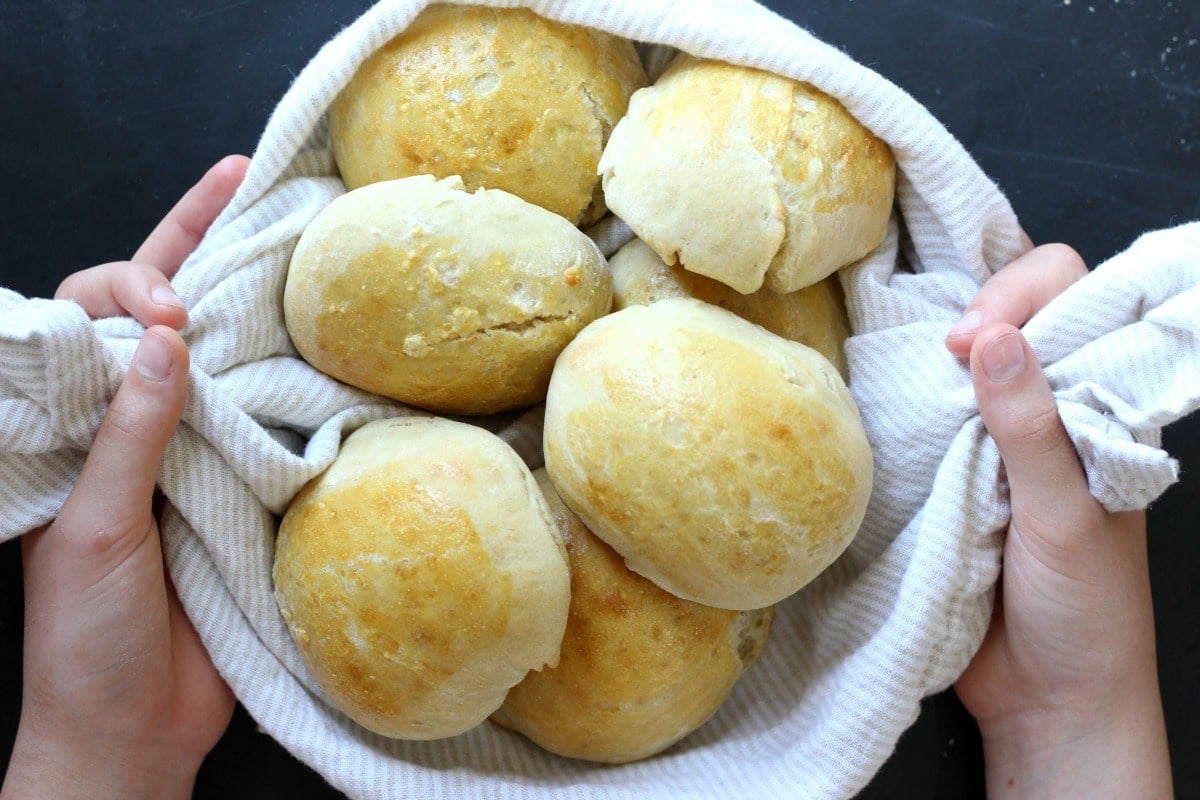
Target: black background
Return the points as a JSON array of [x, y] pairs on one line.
[[1085, 113]]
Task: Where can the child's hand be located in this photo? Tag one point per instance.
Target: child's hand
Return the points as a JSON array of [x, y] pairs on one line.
[[120, 699], [1064, 687]]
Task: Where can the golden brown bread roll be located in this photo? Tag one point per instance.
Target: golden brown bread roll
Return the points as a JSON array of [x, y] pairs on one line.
[[723, 462], [747, 177], [640, 668], [421, 576], [458, 302], [503, 98], [815, 315]]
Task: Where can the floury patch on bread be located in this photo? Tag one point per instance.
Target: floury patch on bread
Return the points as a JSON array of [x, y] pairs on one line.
[[422, 577], [454, 301], [640, 668], [501, 97], [747, 177], [724, 463]]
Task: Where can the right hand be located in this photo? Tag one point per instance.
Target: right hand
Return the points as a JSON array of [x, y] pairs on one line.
[[1064, 687]]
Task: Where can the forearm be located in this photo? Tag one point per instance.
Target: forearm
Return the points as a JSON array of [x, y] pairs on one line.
[[40, 770], [1058, 754]]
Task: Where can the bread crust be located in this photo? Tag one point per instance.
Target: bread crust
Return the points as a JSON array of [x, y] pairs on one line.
[[501, 97], [747, 177], [452, 301], [421, 577], [724, 463], [640, 668]]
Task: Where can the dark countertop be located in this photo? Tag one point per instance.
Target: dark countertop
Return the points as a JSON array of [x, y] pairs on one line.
[[1087, 114]]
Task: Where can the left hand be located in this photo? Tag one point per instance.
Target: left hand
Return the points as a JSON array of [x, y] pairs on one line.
[[120, 698]]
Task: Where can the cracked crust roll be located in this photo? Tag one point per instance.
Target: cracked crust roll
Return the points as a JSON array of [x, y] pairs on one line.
[[815, 315], [501, 97], [639, 668], [453, 301], [746, 177], [724, 463], [421, 577]]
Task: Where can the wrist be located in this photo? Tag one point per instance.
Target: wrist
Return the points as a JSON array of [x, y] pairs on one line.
[[1084, 751], [67, 767]]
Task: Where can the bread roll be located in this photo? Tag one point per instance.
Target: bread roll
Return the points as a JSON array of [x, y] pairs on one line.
[[724, 463], [640, 668], [815, 315], [421, 577], [504, 98], [457, 302], [747, 177]]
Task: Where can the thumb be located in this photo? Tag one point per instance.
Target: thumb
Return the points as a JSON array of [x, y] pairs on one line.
[[1048, 487], [108, 514]]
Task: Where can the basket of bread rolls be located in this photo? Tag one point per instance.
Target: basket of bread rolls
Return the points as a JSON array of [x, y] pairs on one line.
[[703, 457], [593, 287], [569, 414]]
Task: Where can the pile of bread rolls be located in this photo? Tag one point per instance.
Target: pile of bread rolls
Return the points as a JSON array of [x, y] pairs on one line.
[[704, 459]]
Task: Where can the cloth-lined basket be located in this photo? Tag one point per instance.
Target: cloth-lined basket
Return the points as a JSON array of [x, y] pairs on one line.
[[895, 619]]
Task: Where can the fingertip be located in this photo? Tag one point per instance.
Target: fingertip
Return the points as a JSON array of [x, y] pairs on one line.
[[962, 336], [235, 161], [959, 345], [147, 295], [174, 340], [999, 354], [1065, 258], [998, 361], [160, 354], [165, 308], [230, 171]]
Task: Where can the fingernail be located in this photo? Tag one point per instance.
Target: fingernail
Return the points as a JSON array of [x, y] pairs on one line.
[[968, 323], [165, 296], [1004, 359], [153, 358]]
